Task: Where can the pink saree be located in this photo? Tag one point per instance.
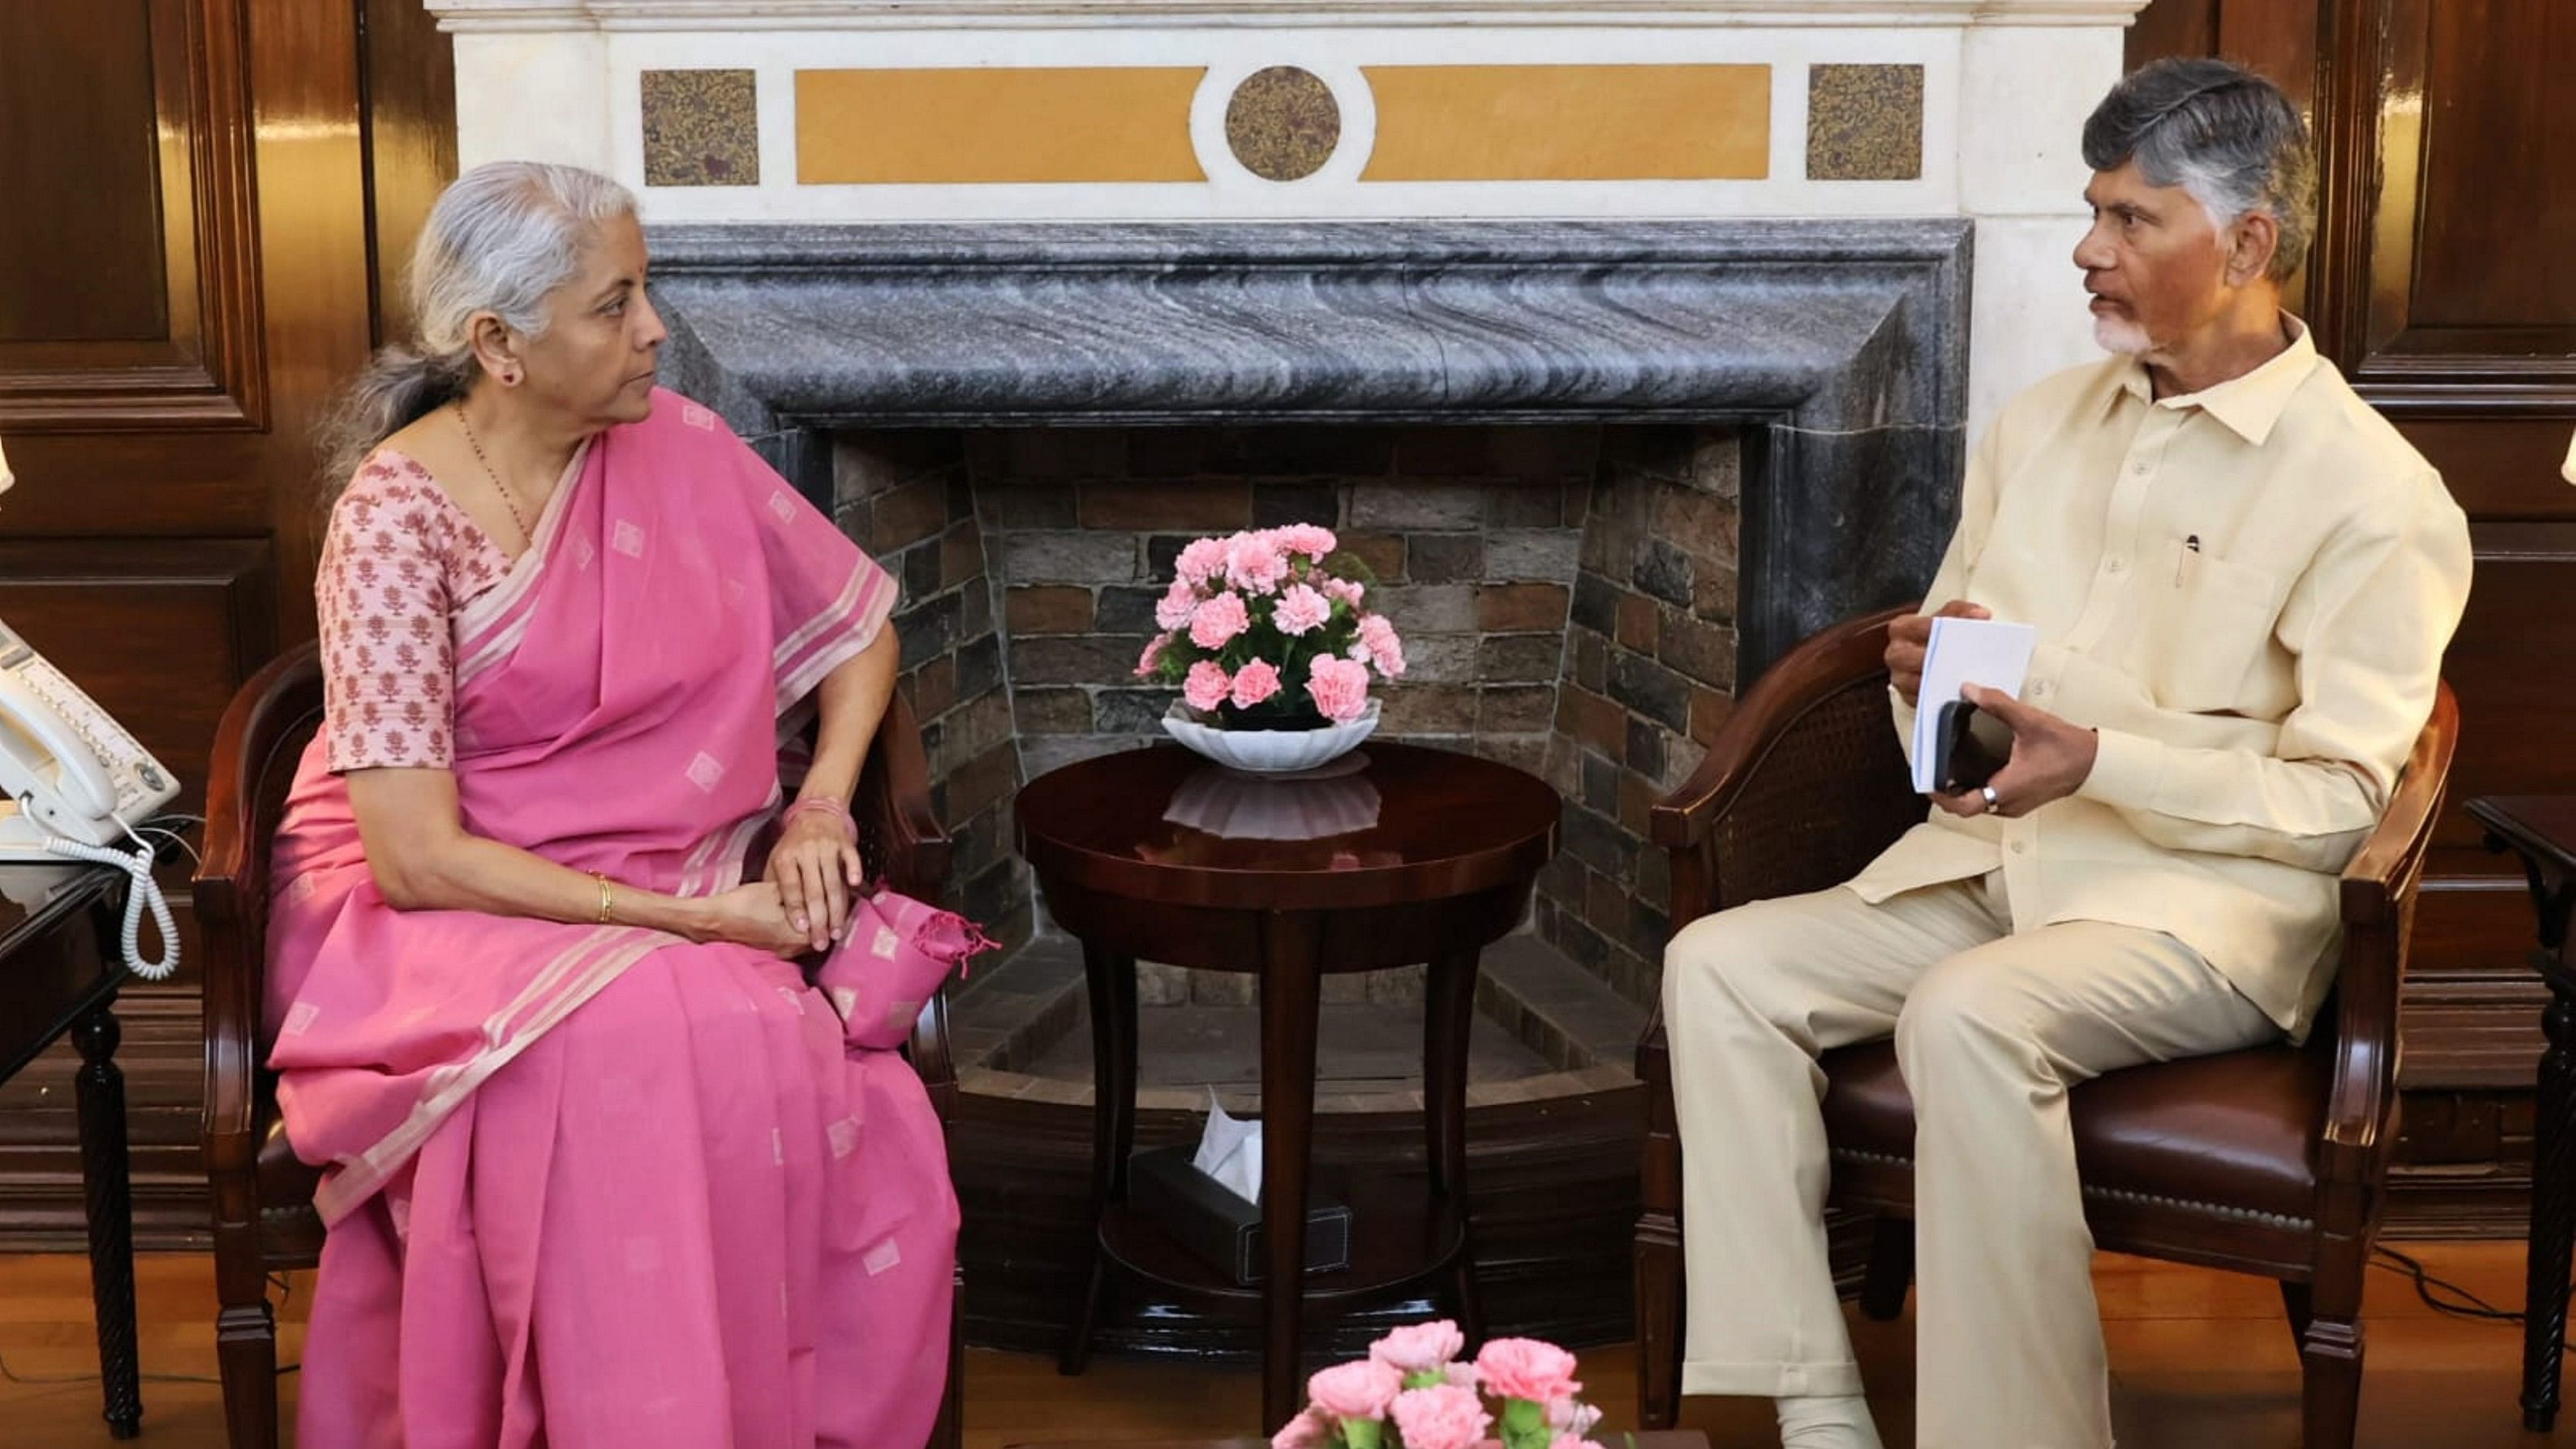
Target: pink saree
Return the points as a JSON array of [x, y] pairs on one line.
[[594, 1185]]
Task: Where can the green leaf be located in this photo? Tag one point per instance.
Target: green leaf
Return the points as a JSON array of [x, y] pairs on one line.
[[1364, 1433]]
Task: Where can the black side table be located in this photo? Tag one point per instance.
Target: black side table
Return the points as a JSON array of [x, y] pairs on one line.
[[2541, 829], [60, 968]]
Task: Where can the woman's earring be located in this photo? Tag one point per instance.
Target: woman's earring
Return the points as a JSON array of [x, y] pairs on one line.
[[510, 378]]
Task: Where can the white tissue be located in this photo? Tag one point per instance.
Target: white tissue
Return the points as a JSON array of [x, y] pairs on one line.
[[1230, 1152]]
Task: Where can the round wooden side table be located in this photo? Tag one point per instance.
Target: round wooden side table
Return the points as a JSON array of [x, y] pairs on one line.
[[1391, 856]]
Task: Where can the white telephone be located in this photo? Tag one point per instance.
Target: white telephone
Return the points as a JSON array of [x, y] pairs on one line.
[[74, 784]]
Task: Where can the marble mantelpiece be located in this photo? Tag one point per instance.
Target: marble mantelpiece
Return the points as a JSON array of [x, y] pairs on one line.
[[1840, 345]]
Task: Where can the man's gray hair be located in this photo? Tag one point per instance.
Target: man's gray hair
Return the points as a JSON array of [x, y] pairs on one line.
[[2228, 136], [501, 238]]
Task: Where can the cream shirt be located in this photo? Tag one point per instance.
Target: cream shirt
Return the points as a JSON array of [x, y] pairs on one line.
[[2247, 592]]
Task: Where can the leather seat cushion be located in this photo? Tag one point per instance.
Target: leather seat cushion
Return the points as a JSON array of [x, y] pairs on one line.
[[289, 1230], [2239, 1129]]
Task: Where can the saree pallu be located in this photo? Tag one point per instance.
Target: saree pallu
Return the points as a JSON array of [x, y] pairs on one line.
[[597, 1185]]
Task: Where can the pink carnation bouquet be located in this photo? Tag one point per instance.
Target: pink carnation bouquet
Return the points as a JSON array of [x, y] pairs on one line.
[[1270, 630], [1413, 1391]]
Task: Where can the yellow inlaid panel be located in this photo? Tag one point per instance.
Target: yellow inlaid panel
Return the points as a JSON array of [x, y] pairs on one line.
[[997, 124], [1571, 123]]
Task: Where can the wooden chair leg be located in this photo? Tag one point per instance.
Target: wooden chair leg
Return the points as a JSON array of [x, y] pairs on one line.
[[2327, 1312], [2296, 1299], [1659, 1322], [1659, 1270], [1891, 1269], [2330, 1368], [246, 1349]]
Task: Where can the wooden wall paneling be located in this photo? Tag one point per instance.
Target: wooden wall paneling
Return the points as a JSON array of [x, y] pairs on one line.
[[2276, 37], [2450, 219], [2448, 224], [201, 368], [313, 232], [87, 249], [160, 551], [2173, 27], [408, 78], [163, 630], [2492, 212], [2436, 131]]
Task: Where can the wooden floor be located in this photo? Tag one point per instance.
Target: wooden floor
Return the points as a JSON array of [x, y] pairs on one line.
[[2199, 1361]]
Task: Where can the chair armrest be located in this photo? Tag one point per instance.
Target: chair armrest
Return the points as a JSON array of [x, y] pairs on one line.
[[1803, 785], [230, 900], [1652, 1061], [893, 808], [2378, 893], [930, 1057], [1819, 667], [895, 816]]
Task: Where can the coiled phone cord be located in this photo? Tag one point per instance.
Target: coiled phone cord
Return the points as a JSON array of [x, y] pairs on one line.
[[145, 895]]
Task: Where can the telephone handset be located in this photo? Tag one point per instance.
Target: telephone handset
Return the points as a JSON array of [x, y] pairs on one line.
[[74, 784]]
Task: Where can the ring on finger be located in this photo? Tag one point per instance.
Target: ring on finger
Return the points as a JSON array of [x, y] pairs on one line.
[[1988, 792]]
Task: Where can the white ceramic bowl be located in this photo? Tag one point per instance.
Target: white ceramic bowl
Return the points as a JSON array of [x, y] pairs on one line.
[[1269, 752]]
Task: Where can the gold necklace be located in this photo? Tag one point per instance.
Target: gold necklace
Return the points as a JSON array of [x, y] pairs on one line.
[[526, 538]]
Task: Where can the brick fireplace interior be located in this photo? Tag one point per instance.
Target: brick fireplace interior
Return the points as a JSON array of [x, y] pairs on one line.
[[1566, 593], [1600, 469]]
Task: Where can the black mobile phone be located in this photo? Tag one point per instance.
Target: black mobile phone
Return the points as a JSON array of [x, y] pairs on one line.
[[1968, 758]]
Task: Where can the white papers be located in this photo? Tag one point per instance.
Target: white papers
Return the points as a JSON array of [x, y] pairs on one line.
[[1230, 1152], [1965, 651]]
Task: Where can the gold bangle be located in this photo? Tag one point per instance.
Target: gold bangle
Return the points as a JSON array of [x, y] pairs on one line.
[[607, 901]]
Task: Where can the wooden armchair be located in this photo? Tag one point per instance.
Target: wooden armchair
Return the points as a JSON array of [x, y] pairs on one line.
[[263, 1196], [2271, 1161]]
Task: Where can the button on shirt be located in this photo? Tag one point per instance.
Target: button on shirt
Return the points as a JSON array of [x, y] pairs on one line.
[[2246, 592]]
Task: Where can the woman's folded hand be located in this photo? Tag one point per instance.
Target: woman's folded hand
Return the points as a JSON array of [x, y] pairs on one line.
[[752, 915], [815, 866]]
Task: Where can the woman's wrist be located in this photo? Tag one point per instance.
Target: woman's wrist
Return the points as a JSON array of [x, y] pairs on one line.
[[689, 917], [828, 806]]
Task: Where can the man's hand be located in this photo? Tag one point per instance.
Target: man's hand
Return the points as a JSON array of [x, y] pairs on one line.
[[2050, 759], [1909, 637]]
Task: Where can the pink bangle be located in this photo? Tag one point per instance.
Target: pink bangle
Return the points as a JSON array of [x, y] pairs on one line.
[[835, 808]]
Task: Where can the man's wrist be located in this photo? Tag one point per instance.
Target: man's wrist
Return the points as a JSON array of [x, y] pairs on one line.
[[2127, 770]]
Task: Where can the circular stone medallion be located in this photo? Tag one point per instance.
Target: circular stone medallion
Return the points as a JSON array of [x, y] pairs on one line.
[[1282, 123]]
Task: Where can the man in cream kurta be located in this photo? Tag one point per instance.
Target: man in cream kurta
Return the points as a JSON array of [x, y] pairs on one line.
[[2242, 580]]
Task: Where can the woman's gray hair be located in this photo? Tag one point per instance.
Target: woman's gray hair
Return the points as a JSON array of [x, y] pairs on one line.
[[2228, 136], [501, 238]]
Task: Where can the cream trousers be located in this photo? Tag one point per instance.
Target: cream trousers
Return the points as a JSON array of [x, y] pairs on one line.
[[1991, 1030]]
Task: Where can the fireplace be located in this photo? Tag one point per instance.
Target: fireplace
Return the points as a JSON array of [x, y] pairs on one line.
[[1603, 474], [1026, 289]]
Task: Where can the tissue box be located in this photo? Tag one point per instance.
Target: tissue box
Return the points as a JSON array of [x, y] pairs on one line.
[[1218, 1226]]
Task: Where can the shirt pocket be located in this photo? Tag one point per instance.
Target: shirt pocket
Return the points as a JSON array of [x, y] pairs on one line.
[[2208, 622]]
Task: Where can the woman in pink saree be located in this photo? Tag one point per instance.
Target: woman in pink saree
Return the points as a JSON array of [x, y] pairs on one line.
[[603, 1168]]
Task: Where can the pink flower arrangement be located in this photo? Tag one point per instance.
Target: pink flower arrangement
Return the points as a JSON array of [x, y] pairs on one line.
[[1413, 1391], [1266, 629]]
